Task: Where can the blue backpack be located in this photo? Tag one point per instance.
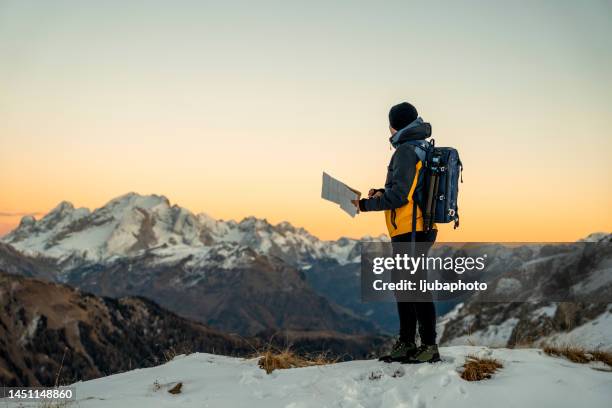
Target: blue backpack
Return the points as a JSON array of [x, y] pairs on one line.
[[437, 190]]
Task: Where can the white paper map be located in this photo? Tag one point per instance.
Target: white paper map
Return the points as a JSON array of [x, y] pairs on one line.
[[339, 193]]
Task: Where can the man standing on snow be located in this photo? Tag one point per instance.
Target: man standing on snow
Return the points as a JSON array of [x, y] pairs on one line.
[[396, 200]]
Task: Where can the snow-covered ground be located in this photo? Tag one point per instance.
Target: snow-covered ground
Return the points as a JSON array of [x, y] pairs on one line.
[[593, 335], [529, 379]]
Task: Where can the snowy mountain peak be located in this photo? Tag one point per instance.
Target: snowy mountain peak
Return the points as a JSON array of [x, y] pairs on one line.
[[59, 217], [132, 199], [133, 223], [251, 222], [27, 221], [595, 237], [63, 212], [63, 207]]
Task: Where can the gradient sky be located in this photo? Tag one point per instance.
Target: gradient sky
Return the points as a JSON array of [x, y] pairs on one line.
[[235, 108]]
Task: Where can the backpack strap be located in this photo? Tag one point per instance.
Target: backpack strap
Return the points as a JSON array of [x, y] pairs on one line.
[[421, 148]]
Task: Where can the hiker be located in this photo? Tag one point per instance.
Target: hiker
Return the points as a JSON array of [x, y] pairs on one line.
[[396, 200]]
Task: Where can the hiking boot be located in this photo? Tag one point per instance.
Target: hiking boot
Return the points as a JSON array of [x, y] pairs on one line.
[[401, 351], [426, 353]]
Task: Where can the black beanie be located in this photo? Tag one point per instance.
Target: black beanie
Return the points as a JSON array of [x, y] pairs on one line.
[[401, 115]]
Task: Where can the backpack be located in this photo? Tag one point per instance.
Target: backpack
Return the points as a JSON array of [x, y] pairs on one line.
[[437, 189]]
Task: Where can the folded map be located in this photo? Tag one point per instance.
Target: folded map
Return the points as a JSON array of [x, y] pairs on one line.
[[339, 193]]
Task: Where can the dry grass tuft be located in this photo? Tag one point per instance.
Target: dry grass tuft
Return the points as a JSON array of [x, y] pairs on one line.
[[477, 369], [272, 360], [578, 354], [172, 352], [572, 353], [176, 389], [603, 356]]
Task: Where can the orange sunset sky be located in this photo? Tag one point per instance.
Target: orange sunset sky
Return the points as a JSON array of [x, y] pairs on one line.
[[235, 109]]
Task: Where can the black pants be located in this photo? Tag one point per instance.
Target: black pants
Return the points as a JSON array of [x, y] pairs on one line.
[[421, 313]]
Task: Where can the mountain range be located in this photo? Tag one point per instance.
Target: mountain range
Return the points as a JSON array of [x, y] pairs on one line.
[[243, 277], [53, 333], [133, 224], [251, 277]]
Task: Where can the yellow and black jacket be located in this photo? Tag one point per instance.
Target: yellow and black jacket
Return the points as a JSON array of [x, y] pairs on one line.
[[402, 181]]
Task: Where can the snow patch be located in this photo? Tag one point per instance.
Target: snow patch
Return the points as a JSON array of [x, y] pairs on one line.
[[593, 335], [29, 331], [544, 311], [492, 336]]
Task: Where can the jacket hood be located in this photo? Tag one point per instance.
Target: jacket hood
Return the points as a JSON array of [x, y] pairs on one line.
[[416, 130]]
